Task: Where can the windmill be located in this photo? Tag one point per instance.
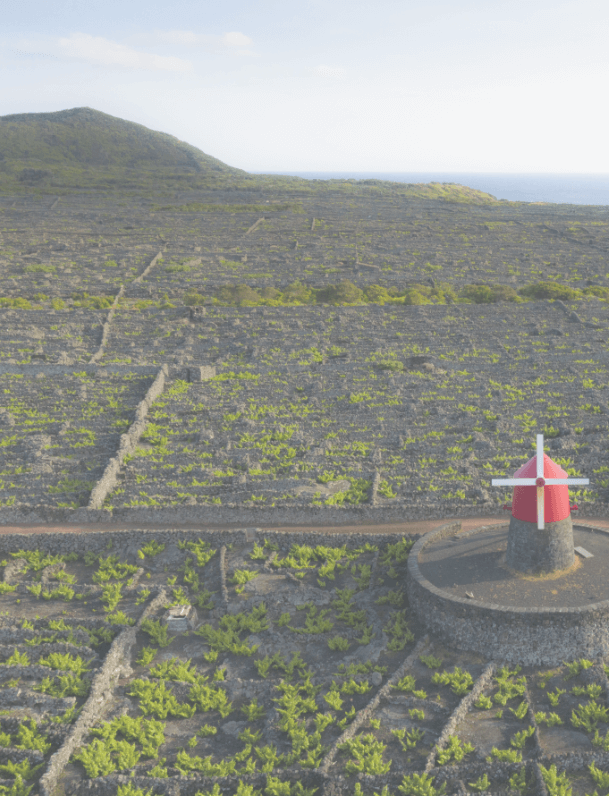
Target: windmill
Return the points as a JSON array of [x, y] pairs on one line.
[[541, 531]]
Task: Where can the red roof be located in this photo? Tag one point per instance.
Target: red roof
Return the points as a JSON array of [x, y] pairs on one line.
[[556, 498]]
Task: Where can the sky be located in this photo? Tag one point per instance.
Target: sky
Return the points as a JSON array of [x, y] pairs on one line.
[[501, 86]]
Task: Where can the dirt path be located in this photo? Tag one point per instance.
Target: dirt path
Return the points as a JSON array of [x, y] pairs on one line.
[[416, 527]]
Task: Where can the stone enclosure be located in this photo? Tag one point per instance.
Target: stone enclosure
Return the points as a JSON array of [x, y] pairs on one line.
[[305, 665], [305, 670], [548, 622], [285, 435], [297, 413]]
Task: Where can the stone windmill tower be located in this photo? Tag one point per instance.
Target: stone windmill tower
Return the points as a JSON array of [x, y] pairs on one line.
[[540, 537]]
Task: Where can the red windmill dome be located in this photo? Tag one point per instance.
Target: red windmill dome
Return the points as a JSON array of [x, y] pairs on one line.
[[541, 489], [556, 496]]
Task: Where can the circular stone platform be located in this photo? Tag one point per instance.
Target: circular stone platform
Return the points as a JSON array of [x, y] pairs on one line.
[[460, 587]]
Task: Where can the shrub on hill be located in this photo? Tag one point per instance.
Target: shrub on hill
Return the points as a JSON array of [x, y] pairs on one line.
[[297, 292], [270, 294], [549, 290], [488, 294], [414, 296], [245, 296], [15, 303], [86, 301], [193, 299], [343, 293], [598, 291], [381, 295], [442, 293], [238, 294], [347, 293], [33, 175]]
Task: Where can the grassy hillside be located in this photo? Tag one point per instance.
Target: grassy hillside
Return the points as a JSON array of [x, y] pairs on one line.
[[93, 138], [84, 146], [82, 149]]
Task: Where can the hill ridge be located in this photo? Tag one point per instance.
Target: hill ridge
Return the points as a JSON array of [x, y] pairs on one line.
[[83, 149], [88, 137]]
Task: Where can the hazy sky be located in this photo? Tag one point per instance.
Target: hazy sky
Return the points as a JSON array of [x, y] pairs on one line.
[[329, 85]]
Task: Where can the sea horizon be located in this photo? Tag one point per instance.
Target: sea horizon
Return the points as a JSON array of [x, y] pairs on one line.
[[577, 189]]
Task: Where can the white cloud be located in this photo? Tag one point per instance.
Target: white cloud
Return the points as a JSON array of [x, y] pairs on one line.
[[98, 51], [234, 41], [102, 52], [181, 37], [330, 72], [29, 53], [342, 31]]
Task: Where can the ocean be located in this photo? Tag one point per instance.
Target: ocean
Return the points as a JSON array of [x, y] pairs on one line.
[[577, 189]]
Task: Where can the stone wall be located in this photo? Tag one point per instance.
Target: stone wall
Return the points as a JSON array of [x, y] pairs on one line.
[[127, 444], [126, 542], [529, 636], [101, 693]]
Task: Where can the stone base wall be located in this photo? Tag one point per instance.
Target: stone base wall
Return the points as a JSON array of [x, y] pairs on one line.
[[529, 636], [530, 549]]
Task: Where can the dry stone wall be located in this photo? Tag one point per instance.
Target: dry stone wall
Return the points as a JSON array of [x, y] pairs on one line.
[[127, 444], [531, 635], [56, 440], [106, 327]]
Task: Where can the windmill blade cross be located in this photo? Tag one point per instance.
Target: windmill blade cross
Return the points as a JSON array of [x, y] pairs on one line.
[[514, 481], [540, 456], [541, 482], [540, 509]]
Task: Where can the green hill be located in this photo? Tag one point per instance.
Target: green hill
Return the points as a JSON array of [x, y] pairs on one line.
[[82, 149], [92, 138]]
